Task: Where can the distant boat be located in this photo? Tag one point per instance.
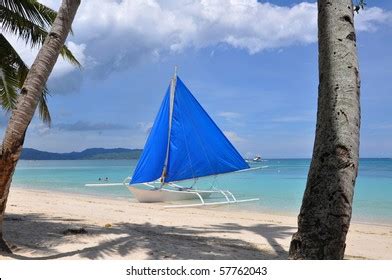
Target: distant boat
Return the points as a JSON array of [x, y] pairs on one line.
[[184, 143], [257, 158]]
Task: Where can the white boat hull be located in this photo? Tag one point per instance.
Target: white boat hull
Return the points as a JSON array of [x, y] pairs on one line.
[[161, 195]]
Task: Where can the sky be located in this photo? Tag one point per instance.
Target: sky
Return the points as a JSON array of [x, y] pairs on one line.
[[251, 64]]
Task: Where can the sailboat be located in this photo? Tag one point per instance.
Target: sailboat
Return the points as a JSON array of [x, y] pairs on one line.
[[184, 144]]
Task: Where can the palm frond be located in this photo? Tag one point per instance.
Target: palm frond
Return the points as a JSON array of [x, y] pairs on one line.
[[8, 87], [9, 82], [30, 31], [68, 55], [43, 108], [23, 28], [46, 13], [12, 59], [12, 69], [9, 54], [29, 20], [13, 72], [31, 10]]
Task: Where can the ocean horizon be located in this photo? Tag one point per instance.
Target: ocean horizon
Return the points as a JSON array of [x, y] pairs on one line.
[[279, 184]]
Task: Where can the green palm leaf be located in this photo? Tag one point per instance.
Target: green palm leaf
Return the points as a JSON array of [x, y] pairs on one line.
[[31, 10], [68, 55], [29, 20], [8, 85], [10, 56], [13, 72], [43, 109], [23, 28], [9, 78]]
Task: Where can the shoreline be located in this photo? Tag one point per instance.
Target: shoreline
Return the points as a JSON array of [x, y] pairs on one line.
[[359, 220], [37, 224]]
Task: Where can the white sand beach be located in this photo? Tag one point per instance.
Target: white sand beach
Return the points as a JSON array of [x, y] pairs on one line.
[[36, 223]]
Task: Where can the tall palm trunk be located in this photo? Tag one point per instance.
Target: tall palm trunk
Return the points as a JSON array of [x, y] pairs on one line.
[[28, 100], [325, 214]]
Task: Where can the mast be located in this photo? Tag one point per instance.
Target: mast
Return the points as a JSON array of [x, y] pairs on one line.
[[172, 93]]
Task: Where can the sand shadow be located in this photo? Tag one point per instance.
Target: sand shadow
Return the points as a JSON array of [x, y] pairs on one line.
[[270, 232], [39, 236]]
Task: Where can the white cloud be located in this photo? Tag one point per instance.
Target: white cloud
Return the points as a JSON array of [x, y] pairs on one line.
[[233, 118], [111, 35], [294, 119], [145, 127], [381, 126], [368, 19], [38, 128], [229, 115], [152, 26], [233, 136]]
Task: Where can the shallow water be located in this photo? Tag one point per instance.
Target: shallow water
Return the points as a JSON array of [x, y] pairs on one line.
[[279, 184]]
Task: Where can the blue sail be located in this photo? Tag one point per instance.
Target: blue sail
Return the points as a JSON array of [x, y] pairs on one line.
[[197, 147], [150, 165]]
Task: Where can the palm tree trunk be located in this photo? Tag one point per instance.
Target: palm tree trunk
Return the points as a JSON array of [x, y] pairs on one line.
[[325, 214], [28, 100]]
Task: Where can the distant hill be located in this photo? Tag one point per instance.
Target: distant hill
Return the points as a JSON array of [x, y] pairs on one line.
[[94, 153]]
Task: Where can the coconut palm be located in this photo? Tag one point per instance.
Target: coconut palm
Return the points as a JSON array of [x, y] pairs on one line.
[[27, 101], [29, 21], [326, 209]]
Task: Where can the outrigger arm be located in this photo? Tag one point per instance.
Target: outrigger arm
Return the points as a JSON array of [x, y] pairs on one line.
[[203, 203]]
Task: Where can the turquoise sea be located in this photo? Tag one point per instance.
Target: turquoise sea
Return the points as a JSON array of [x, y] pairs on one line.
[[279, 184]]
